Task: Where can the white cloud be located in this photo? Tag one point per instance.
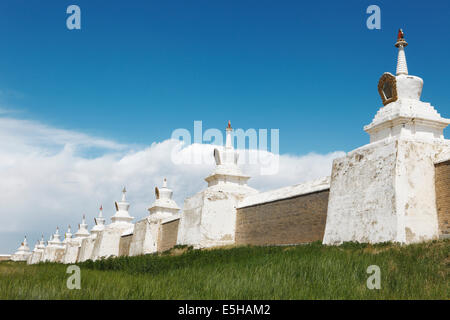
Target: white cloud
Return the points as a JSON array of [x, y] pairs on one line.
[[45, 181]]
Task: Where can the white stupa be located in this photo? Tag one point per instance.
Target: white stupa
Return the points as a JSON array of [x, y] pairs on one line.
[[82, 229], [99, 222], [67, 236], [73, 244], [209, 217], [38, 251], [55, 241], [23, 252], [122, 216], [107, 241], [54, 252], [227, 170], [385, 191], [158, 231], [42, 243], [164, 206], [403, 114]]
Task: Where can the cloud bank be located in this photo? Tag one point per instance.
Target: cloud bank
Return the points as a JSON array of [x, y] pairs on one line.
[[49, 178]]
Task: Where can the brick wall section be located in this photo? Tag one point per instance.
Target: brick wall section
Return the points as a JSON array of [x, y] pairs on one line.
[[124, 245], [443, 196], [295, 220], [168, 235]]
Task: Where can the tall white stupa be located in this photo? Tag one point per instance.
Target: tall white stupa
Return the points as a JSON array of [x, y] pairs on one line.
[[158, 231], [108, 240], [23, 252], [99, 222], [164, 206], [209, 217], [55, 249], [87, 243], [403, 114], [82, 229], [385, 190], [38, 252], [73, 244], [67, 236], [122, 216]]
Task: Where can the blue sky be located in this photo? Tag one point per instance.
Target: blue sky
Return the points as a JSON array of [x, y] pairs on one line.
[[81, 109], [140, 69]]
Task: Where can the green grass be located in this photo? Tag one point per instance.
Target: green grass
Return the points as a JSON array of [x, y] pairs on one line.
[[313, 271]]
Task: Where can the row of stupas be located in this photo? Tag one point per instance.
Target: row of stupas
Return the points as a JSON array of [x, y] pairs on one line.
[[104, 240], [208, 220], [382, 191]]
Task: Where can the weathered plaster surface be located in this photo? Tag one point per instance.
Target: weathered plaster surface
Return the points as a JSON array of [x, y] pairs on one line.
[[209, 217], [72, 251], [385, 191], [87, 248], [142, 241], [107, 242]]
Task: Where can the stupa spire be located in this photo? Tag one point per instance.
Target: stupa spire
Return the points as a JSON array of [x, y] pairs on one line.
[[55, 239], [124, 191], [402, 67], [82, 229], [99, 222], [122, 215], [68, 234], [229, 141]]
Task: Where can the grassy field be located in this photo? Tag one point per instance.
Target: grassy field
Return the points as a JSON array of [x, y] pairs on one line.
[[313, 271]]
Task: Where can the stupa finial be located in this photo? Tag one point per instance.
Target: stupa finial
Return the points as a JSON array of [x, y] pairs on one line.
[[402, 67], [124, 191], [165, 183]]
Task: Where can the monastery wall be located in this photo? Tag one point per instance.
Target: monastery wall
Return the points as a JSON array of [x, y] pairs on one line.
[[72, 251], [442, 175], [142, 241], [291, 215], [168, 235], [124, 245]]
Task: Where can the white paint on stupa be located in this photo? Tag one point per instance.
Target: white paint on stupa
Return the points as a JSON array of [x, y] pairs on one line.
[[99, 222], [54, 252], [385, 191], [107, 241], [82, 229], [67, 236], [164, 206], [23, 252], [146, 231], [209, 217], [73, 246], [122, 216], [407, 116], [38, 252], [87, 243]]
